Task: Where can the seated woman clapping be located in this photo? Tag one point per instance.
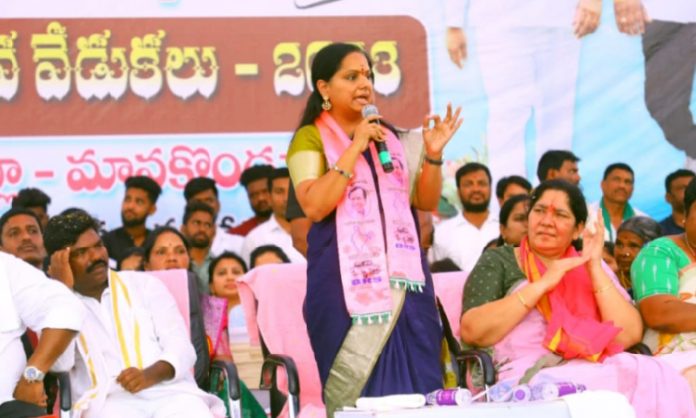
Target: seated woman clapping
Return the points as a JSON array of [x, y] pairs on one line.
[[546, 303]]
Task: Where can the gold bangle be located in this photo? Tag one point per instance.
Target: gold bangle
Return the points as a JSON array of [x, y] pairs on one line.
[[522, 301], [603, 288]]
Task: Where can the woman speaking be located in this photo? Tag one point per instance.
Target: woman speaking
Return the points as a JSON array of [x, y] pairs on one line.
[[370, 307]]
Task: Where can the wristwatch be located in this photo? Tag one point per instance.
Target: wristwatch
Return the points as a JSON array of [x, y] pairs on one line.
[[32, 374]]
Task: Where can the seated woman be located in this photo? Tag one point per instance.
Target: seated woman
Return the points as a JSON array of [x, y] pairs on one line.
[[224, 313], [631, 236], [545, 303], [167, 249], [664, 285], [513, 222]]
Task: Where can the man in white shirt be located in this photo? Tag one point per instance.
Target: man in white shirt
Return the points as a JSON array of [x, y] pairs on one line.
[[617, 189], [204, 190], [29, 299], [462, 238], [133, 357], [276, 230], [529, 54]]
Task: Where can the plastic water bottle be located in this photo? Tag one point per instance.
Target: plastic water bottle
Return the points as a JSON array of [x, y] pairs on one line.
[[500, 392], [457, 396], [521, 393], [553, 390]]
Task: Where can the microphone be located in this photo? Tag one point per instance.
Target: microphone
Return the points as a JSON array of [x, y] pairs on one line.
[[382, 151]]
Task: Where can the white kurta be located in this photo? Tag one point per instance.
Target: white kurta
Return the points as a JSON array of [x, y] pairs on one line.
[[270, 233], [162, 336], [29, 299], [462, 242]]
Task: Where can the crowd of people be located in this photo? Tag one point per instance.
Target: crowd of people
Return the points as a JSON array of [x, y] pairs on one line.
[[549, 275]]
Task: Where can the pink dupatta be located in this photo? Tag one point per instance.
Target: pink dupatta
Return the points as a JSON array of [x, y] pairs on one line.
[[368, 268], [574, 327]]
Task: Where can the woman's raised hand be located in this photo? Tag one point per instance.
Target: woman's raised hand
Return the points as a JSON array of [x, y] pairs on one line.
[[366, 131], [593, 238], [556, 269], [437, 136]]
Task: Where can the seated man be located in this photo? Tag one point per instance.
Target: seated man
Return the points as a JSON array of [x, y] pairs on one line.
[[29, 299], [21, 235], [134, 357]]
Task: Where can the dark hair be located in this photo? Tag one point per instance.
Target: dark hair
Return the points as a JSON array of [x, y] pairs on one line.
[[504, 216], [278, 173], [470, 168], [147, 184], [325, 64], [646, 228], [225, 255], [682, 172], [510, 204], [64, 230], [504, 182], [198, 185], [444, 265], [129, 252], [617, 166], [15, 212], [151, 239], [194, 207], [30, 198], [576, 200], [258, 251], [689, 195], [553, 160], [255, 172]]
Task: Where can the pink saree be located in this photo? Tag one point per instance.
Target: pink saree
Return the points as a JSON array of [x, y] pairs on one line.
[[655, 389]]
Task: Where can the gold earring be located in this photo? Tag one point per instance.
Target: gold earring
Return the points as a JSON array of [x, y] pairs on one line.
[[326, 104]]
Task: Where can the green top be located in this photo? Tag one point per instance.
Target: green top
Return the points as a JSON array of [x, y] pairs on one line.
[[495, 273], [655, 271]]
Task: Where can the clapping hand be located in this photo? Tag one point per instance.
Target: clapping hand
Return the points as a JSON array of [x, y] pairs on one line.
[[593, 239]]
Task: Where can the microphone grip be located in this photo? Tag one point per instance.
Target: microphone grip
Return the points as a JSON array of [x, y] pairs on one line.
[[384, 157]]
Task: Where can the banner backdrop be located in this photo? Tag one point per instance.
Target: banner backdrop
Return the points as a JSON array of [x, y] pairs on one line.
[[93, 92]]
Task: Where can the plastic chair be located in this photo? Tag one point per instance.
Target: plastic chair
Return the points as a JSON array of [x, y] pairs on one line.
[[176, 281], [449, 288], [272, 296]]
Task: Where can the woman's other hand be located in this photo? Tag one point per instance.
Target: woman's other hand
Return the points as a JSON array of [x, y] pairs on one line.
[[437, 136], [556, 269]]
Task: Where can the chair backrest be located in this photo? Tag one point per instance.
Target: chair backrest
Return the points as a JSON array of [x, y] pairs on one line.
[[272, 296], [449, 287], [176, 281]]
